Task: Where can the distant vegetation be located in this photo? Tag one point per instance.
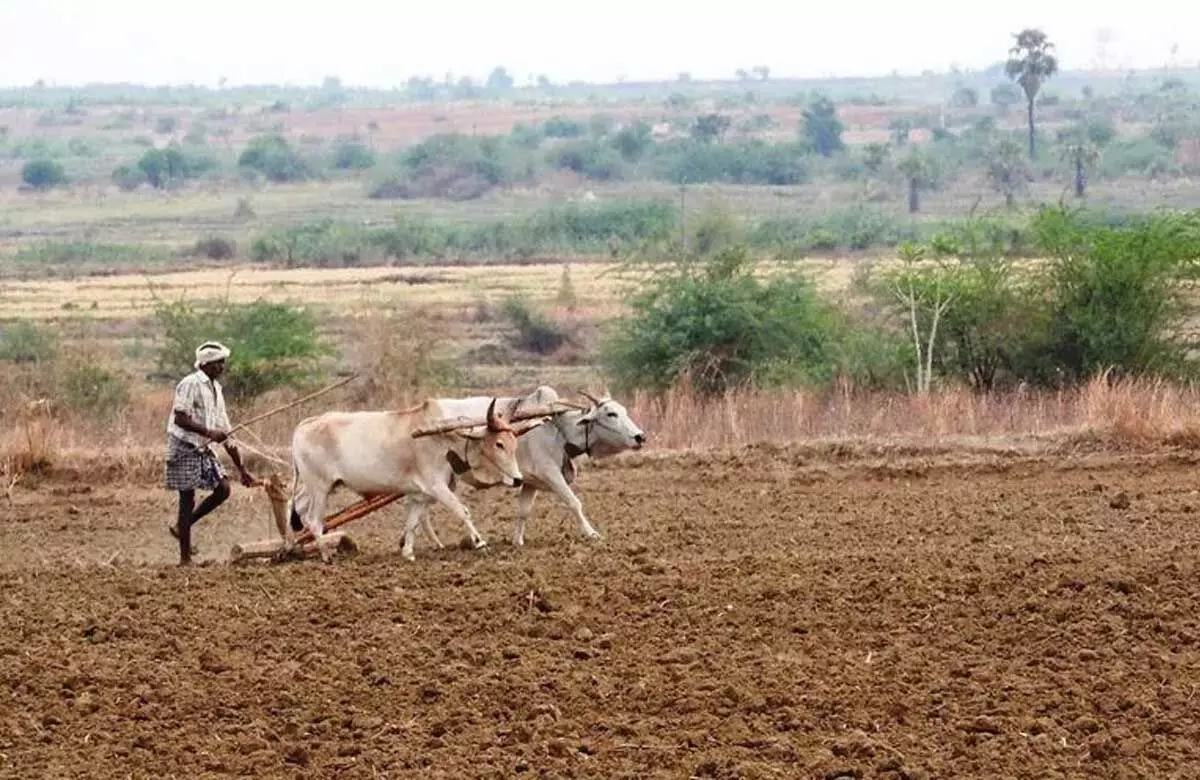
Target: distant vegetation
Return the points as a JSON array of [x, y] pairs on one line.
[[992, 194]]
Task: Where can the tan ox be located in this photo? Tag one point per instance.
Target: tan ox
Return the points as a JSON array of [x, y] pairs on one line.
[[382, 452]]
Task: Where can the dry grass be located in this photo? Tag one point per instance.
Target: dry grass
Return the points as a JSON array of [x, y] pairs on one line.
[[344, 289], [1138, 412], [1121, 414]]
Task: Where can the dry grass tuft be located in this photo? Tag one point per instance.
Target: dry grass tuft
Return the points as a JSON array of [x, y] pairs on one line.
[[1134, 412]]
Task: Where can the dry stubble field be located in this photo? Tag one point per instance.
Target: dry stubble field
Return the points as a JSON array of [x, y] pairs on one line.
[[772, 612]]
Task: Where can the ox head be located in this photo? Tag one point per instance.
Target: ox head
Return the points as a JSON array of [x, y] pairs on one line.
[[610, 429], [498, 448]]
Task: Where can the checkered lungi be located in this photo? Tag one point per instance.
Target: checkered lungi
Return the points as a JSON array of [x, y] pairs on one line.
[[191, 468]]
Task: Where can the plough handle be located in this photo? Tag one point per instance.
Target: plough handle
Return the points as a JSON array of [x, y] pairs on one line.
[[352, 512]]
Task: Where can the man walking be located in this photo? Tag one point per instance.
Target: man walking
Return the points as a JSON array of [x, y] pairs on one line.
[[199, 419]]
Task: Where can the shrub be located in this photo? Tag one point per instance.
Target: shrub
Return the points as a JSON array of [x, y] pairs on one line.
[[43, 174], [98, 392], [536, 332], [273, 157], [562, 127], [453, 166], [1118, 293], [714, 322], [165, 167], [352, 156], [215, 248], [27, 342], [593, 159], [633, 141], [324, 244], [740, 162], [129, 177], [273, 345]]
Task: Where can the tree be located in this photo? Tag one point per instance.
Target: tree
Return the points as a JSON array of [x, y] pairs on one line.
[[499, 80], [1007, 170], [821, 127], [900, 129], [925, 297], [762, 71], [875, 156], [1004, 97], [1031, 62], [964, 97], [710, 127], [1081, 152], [918, 173]]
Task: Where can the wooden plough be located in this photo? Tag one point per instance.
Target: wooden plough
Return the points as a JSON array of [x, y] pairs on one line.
[[339, 541]]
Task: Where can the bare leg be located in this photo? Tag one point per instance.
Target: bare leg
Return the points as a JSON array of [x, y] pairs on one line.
[[183, 525]]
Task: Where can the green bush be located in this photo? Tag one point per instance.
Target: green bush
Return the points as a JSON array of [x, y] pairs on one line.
[[323, 244], [273, 157], [352, 156], [715, 323], [1119, 294], [456, 167], [165, 167], [27, 342], [595, 160], [562, 127], [739, 162], [273, 345], [43, 174]]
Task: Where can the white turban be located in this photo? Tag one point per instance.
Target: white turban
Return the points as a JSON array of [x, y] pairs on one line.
[[210, 352]]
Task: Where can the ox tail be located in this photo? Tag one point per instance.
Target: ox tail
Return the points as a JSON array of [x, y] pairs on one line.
[[296, 524]]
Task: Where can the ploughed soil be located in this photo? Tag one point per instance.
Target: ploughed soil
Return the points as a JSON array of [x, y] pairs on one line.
[[765, 613]]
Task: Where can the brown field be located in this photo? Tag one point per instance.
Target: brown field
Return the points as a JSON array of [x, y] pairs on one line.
[[768, 612]]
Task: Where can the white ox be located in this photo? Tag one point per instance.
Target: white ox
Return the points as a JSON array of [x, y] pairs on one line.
[[547, 456], [375, 452]]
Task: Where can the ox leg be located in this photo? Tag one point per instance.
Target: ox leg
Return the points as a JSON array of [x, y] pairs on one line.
[[424, 522], [568, 497], [524, 509], [446, 497], [416, 510], [311, 506]]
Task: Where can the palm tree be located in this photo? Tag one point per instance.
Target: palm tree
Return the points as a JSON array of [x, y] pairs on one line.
[[1030, 63], [918, 174], [1082, 153]]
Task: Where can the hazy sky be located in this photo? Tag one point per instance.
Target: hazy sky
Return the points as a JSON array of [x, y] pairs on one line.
[[379, 43]]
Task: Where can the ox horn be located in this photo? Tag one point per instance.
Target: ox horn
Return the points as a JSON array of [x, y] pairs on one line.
[[492, 423], [595, 401]]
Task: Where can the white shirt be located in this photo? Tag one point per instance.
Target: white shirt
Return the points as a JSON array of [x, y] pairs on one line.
[[201, 399]]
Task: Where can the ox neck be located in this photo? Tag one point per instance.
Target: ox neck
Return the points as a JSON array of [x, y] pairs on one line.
[[572, 447]]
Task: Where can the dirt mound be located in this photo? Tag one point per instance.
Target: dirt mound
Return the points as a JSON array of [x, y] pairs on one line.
[[745, 616]]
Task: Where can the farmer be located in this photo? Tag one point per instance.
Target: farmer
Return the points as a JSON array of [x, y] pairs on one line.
[[198, 419]]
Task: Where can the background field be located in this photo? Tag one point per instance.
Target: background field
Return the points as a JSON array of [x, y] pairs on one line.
[[835, 581]]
